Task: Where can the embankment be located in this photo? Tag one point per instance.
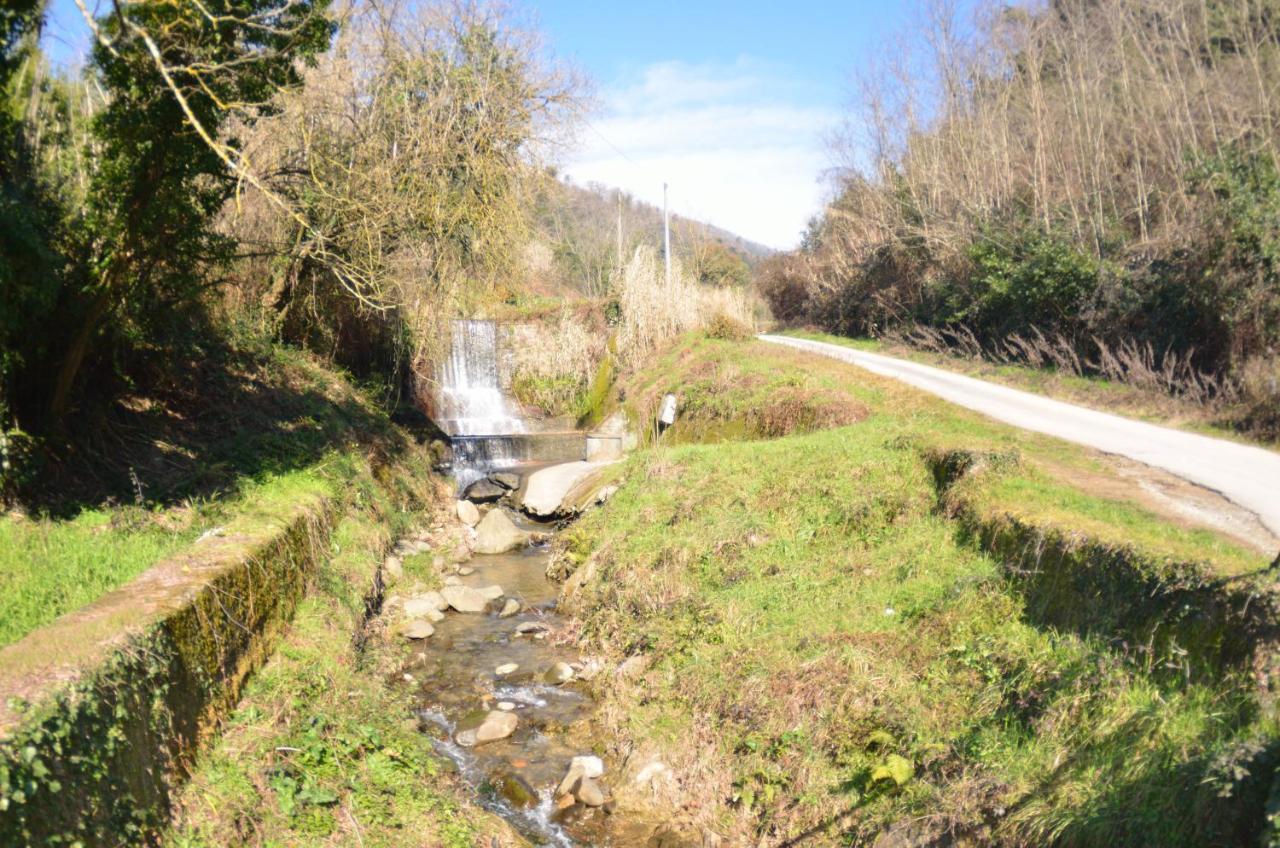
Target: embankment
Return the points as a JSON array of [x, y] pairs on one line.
[[917, 628], [105, 709]]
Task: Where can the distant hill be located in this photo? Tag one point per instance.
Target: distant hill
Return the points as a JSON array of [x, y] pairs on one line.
[[576, 238]]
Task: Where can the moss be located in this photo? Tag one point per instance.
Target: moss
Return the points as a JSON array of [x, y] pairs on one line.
[[598, 393], [99, 760]]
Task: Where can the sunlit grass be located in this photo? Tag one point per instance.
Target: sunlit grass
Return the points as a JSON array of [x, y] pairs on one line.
[[831, 655]]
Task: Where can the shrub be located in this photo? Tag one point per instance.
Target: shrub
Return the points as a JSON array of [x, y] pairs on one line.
[[728, 328], [1242, 251], [1024, 278]]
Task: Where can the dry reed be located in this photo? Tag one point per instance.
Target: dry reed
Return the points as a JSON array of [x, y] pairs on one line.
[[655, 310]]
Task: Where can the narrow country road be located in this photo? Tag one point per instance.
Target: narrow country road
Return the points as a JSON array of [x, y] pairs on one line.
[[1247, 476]]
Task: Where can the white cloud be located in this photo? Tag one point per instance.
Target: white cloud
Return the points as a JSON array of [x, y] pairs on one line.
[[741, 145]]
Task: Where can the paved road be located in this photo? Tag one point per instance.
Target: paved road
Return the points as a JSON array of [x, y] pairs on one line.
[[1247, 476]]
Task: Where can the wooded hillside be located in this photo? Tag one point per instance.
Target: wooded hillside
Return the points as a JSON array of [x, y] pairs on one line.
[[1087, 185]]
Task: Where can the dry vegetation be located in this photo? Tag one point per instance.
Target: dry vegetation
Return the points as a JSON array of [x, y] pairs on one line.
[[406, 160], [567, 367], [1094, 184]]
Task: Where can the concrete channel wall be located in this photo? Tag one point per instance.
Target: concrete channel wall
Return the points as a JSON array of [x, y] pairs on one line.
[[102, 711]]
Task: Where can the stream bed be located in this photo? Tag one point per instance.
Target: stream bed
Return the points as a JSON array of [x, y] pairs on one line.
[[460, 678]]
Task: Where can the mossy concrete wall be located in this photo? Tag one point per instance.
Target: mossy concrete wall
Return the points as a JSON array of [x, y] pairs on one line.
[[102, 711], [1186, 620]]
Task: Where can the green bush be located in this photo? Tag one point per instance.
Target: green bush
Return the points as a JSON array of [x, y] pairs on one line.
[[728, 328], [1241, 272], [1024, 278]]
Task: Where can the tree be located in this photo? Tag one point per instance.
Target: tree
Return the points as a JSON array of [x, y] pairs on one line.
[[717, 265], [403, 167], [25, 255], [174, 73]]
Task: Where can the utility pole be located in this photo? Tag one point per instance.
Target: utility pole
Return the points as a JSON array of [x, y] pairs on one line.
[[666, 233], [619, 232]]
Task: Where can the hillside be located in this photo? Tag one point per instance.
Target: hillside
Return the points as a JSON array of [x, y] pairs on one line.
[[577, 228], [1100, 196]]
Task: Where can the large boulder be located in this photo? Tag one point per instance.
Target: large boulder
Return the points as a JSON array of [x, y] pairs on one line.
[[418, 629], [496, 725], [483, 491], [465, 599], [561, 489], [497, 534], [468, 514]]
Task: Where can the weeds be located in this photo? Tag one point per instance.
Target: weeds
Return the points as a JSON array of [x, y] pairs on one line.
[[1129, 362]]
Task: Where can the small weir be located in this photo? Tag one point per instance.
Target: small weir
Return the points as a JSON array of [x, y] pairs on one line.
[[480, 663], [470, 405], [487, 429]]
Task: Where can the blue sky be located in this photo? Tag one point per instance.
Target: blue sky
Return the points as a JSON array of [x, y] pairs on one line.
[[729, 102]]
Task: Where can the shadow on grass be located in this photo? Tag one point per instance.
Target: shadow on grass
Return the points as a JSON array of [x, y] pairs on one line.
[[199, 425], [1188, 802]]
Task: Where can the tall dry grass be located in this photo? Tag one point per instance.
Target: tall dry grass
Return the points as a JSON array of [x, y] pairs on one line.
[[555, 362], [564, 367], [655, 310], [1130, 362]]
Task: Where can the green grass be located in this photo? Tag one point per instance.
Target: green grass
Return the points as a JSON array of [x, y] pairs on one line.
[[283, 427], [50, 567], [726, 397], [832, 656]]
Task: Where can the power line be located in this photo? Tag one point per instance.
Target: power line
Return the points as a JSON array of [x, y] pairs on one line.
[[666, 216], [613, 146]]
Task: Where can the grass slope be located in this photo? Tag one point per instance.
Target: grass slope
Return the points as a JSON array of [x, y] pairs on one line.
[[281, 431], [831, 659]]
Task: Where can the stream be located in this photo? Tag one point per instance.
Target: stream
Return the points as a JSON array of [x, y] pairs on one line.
[[476, 669], [457, 680]]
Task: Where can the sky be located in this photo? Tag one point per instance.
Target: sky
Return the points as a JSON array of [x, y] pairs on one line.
[[730, 103]]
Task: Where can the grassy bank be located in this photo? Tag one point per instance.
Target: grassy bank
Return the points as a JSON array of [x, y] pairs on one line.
[[1132, 401], [321, 751], [268, 425], [833, 655]]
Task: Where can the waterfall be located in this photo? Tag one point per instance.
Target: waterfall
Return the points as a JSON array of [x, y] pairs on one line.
[[471, 406], [471, 398]]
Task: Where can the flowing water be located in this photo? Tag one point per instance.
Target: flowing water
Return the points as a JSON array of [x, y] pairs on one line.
[[471, 399], [471, 404], [456, 669], [516, 777]]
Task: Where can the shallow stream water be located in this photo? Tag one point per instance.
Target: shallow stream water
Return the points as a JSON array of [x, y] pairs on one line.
[[516, 777]]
